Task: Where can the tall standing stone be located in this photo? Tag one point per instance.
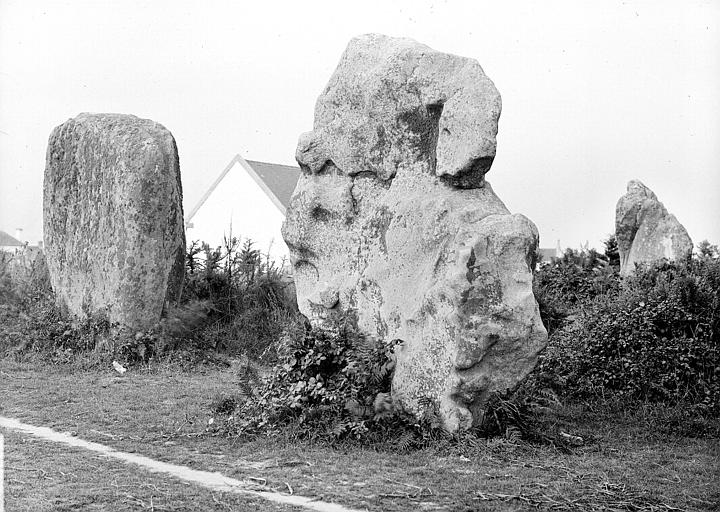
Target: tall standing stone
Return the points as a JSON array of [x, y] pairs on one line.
[[392, 221], [645, 231], [113, 219]]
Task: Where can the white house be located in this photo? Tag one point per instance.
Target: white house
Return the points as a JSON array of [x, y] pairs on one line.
[[247, 200]]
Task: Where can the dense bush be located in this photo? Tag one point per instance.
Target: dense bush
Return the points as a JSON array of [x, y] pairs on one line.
[[333, 385], [325, 382], [29, 318], [656, 337], [32, 325], [249, 298], [564, 284], [6, 286], [24, 277], [234, 301]]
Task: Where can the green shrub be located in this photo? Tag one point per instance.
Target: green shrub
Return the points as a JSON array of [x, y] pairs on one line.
[[321, 376], [656, 338], [38, 329], [234, 301], [248, 297], [29, 317], [612, 253], [565, 284], [707, 250], [332, 385], [6, 288], [514, 415], [24, 276]]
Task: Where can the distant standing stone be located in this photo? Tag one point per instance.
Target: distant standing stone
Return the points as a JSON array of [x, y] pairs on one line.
[[645, 231], [113, 218]]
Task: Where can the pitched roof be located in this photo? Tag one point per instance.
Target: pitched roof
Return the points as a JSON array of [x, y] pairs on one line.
[[276, 180], [7, 240], [280, 179]]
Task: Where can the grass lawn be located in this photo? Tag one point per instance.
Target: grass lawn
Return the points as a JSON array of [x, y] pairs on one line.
[[45, 476], [163, 411]]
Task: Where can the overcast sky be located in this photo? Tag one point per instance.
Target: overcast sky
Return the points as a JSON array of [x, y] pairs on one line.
[[594, 93]]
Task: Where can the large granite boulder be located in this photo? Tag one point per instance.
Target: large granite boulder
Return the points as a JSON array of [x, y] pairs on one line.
[[113, 218], [392, 221], [645, 231]]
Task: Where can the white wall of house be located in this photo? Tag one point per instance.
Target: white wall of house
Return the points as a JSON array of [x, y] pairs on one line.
[[240, 203]]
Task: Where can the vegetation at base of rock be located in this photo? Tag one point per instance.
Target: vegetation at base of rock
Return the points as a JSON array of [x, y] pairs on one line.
[[331, 385], [324, 384], [249, 299], [23, 278], [644, 342], [654, 336], [235, 302]]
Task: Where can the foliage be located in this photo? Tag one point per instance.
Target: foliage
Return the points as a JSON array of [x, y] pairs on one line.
[[235, 300], [6, 287], [655, 338], [707, 250], [612, 253], [332, 385], [248, 297], [514, 415], [319, 372], [38, 328], [568, 282], [24, 277], [29, 317]]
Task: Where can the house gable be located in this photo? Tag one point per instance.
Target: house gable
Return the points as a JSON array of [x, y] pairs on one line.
[[276, 180], [247, 200]]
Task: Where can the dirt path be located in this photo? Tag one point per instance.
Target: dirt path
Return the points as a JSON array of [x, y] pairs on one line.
[[211, 480]]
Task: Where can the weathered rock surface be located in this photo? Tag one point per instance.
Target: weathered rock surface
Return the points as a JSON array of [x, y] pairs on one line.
[[645, 231], [113, 218], [392, 220]]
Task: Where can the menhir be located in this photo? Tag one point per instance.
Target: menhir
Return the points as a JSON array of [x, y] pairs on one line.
[[113, 219], [393, 222]]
